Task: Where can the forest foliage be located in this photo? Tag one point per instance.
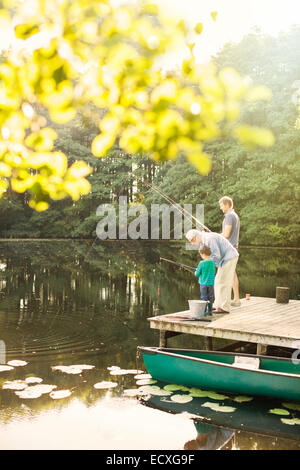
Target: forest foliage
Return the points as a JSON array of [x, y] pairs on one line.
[[263, 182]]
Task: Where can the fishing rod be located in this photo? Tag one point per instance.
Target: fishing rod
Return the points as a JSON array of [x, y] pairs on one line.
[[173, 203], [181, 265]]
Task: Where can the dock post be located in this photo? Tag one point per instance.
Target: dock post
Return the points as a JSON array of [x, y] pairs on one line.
[[261, 349], [208, 343], [162, 339]]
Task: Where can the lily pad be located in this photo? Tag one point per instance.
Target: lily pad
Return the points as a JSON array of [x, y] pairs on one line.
[[58, 394], [146, 382], [242, 398], [82, 366], [174, 387], [17, 363], [35, 391], [181, 398], [292, 406], [197, 392], [33, 380], [113, 368], [118, 372], [154, 390], [142, 376], [28, 393], [123, 371], [42, 388], [291, 422], [4, 368], [216, 396], [105, 385], [279, 411], [218, 407], [15, 385], [68, 369]]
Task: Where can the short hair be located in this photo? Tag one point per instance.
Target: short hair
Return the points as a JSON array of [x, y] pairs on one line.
[[205, 250], [226, 200]]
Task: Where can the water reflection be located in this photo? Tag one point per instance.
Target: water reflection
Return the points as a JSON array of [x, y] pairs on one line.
[[209, 437], [72, 302]]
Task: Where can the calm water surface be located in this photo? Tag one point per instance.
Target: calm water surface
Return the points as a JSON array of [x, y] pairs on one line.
[[78, 302]]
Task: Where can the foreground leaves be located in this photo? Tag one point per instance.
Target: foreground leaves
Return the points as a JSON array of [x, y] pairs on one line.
[[107, 55]]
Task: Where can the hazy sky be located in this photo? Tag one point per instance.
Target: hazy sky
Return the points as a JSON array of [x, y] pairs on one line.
[[235, 19]]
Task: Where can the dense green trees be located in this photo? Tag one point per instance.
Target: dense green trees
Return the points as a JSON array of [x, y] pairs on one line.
[[264, 184]]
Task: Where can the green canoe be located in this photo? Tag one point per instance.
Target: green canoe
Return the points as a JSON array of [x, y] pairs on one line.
[[228, 372]]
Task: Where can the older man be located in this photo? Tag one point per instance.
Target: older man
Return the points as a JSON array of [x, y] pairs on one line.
[[225, 257]]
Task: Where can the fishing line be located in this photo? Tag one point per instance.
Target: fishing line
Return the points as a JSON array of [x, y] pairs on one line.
[[182, 210]]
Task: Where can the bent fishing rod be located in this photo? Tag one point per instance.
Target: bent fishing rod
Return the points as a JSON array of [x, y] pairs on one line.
[[181, 265], [177, 206]]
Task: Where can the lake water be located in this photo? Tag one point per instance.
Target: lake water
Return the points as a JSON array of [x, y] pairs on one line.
[[83, 302]]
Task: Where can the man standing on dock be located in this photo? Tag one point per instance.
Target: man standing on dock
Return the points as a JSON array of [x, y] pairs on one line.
[[231, 231], [225, 257]]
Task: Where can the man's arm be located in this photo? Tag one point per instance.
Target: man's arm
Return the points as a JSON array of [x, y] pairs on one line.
[[227, 231]]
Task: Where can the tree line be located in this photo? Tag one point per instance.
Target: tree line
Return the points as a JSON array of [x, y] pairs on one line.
[[264, 183]]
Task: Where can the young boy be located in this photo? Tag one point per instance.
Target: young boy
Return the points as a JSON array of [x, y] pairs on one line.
[[206, 276]]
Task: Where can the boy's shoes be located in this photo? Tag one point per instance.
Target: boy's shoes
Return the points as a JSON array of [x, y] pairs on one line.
[[236, 303]]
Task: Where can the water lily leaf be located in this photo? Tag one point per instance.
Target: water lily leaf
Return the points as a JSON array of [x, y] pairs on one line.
[[105, 385], [134, 371], [15, 385], [154, 390], [181, 398], [146, 382], [17, 363], [197, 392], [5, 368], [290, 421], [33, 380], [28, 394], [292, 406], [58, 394], [216, 396], [123, 371], [279, 411], [143, 376], [67, 369], [113, 368], [241, 399], [42, 388], [35, 391], [174, 387], [82, 366], [218, 407], [118, 372]]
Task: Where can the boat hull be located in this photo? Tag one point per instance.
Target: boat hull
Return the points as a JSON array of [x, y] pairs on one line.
[[213, 370]]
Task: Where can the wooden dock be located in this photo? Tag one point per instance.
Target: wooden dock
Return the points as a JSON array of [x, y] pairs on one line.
[[260, 320]]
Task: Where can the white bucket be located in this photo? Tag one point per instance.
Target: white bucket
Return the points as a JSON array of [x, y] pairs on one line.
[[197, 308]]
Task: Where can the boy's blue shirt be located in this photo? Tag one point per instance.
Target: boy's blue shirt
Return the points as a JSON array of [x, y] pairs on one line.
[[206, 272]]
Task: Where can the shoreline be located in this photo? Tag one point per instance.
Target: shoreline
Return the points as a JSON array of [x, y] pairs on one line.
[[129, 240]]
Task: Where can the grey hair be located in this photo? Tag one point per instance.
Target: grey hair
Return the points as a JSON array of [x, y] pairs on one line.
[[192, 234]]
